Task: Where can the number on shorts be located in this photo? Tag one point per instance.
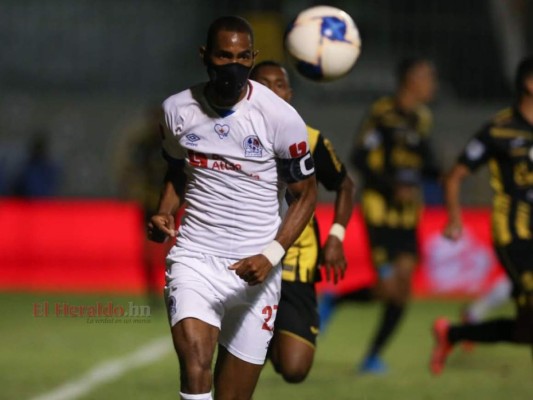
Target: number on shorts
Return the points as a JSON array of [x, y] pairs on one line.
[[267, 312]]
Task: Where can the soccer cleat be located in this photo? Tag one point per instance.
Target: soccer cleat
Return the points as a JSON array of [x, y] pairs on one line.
[[442, 348], [467, 346], [372, 364]]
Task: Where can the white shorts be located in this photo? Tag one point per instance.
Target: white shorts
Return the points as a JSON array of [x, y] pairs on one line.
[[201, 286]]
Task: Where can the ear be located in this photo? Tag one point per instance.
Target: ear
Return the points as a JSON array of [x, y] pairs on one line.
[[289, 95], [254, 54], [528, 85], [202, 52]]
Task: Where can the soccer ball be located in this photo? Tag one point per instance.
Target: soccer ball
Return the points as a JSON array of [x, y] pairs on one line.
[[323, 43]]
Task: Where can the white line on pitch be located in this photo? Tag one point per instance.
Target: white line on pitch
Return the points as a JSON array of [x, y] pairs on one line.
[[109, 370]]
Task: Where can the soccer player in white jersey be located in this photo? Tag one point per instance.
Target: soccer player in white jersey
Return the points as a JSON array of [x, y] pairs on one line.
[[233, 145]]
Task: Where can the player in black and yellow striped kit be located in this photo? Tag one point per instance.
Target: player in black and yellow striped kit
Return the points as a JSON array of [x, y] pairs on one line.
[[506, 145], [296, 327], [393, 156]]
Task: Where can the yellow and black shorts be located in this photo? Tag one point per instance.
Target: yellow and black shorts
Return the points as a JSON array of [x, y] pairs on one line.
[[388, 243], [297, 313]]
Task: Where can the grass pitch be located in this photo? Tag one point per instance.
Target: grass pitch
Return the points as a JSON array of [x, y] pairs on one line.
[[42, 353]]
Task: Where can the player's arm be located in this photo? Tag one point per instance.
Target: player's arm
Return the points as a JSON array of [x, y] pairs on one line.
[[255, 269], [333, 257], [332, 174], [300, 211], [162, 224], [452, 192], [475, 154]]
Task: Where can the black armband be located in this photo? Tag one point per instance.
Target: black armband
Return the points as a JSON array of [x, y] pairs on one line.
[[292, 170]]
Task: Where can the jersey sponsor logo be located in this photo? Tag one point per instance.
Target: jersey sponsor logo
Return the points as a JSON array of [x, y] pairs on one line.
[[475, 149], [252, 147], [220, 164], [298, 149], [197, 159], [191, 139], [215, 162], [222, 130]]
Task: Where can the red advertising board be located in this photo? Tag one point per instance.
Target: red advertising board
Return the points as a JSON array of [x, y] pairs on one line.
[[99, 246]]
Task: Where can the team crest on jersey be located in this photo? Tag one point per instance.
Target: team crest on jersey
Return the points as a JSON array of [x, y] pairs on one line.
[[222, 130], [252, 147]]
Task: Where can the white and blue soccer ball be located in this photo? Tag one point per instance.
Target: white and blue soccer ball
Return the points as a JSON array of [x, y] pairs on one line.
[[323, 43]]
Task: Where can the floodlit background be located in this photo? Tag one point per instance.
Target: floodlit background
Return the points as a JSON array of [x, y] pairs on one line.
[[85, 72], [79, 83]]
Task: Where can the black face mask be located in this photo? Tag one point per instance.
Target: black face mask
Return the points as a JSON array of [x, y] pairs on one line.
[[228, 80]]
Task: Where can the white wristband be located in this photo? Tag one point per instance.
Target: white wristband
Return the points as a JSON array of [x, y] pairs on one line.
[[274, 252], [338, 231]]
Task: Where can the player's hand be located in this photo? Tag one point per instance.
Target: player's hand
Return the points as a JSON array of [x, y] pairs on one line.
[[253, 270], [333, 259], [160, 227], [453, 230]]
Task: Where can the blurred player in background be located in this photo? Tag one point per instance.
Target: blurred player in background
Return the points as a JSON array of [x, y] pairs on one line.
[[233, 144], [293, 346], [393, 156], [40, 175], [506, 144], [140, 175]]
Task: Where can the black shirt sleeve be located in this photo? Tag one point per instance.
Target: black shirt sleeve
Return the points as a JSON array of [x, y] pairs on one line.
[[330, 171], [477, 150]]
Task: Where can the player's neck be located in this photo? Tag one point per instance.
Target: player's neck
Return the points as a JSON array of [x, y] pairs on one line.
[[525, 106]]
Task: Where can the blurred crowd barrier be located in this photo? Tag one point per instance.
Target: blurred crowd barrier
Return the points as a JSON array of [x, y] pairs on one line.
[[97, 246]]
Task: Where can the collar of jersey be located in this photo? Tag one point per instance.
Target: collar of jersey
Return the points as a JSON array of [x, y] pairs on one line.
[[225, 112]]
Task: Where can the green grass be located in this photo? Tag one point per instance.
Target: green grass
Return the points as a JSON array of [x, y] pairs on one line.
[[38, 354]]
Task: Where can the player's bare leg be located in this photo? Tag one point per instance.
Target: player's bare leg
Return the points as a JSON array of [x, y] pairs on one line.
[[235, 379], [394, 289], [195, 342], [292, 357]]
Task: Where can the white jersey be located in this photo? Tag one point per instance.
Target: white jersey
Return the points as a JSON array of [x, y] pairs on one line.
[[233, 190]]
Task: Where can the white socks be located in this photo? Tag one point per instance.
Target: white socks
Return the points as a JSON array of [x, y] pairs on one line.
[[201, 396], [497, 295]]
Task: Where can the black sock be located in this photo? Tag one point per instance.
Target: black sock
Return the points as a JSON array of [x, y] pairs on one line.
[[496, 330], [391, 316]]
